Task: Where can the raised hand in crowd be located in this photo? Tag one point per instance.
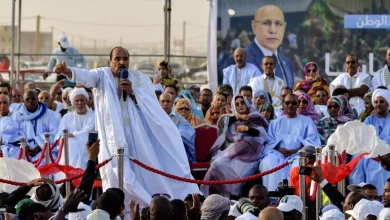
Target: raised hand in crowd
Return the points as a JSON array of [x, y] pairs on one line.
[[193, 213], [38, 182], [318, 176], [134, 210], [242, 128], [33, 151], [93, 151], [71, 204], [157, 80]]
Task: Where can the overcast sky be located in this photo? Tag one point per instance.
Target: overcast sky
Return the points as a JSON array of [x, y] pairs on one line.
[[136, 21]]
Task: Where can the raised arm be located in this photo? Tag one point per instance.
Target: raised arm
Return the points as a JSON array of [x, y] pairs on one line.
[[88, 78]]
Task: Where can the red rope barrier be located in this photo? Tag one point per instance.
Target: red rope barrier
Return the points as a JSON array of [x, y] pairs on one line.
[[54, 144], [20, 153], [45, 145], [60, 151], [58, 181], [27, 156], [218, 182]]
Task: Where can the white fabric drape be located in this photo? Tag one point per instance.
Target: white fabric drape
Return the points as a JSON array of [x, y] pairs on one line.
[[212, 62]]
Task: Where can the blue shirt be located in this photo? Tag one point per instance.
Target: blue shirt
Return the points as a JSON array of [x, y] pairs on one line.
[[70, 61], [187, 133]]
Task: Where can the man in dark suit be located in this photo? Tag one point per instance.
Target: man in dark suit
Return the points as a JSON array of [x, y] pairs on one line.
[[269, 27]]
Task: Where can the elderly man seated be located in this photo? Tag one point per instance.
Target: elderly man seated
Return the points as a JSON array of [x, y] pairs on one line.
[[78, 122], [33, 120], [186, 131], [46, 98]]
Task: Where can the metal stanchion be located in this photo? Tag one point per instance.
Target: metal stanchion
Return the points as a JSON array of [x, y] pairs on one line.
[[23, 146], [121, 152], [47, 151], [319, 189], [302, 188], [331, 155], [66, 155]]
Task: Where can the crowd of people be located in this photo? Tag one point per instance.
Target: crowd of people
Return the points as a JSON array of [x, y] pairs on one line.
[[263, 118]]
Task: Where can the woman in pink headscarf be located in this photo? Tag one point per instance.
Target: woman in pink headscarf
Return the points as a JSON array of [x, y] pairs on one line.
[[312, 80], [306, 108]]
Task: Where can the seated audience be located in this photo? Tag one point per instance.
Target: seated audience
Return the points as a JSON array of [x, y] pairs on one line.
[[322, 96], [205, 99], [306, 108], [184, 108], [237, 149], [368, 107], [260, 97], [267, 111]]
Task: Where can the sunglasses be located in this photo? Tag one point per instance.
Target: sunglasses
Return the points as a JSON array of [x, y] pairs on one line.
[[268, 64], [351, 62], [290, 102], [183, 109], [312, 70], [302, 101], [319, 96], [333, 106], [240, 103]]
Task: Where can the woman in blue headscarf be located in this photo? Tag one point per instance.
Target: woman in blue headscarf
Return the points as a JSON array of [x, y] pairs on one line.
[[260, 97], [195, 110]]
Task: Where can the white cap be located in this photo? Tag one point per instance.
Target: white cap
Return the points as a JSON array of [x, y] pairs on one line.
[[352, 187], [384, 214], [364, 208], [289, 203], [333, 214], [64, 41], [247, 216]]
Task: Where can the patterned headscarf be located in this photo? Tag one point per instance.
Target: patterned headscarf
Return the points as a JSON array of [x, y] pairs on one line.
[[190, 117], [195, 110], [310, 110], [365, 112], [248, 105], [268, 106], [55, 200], [214, 109], [345, 113], [305, 84]]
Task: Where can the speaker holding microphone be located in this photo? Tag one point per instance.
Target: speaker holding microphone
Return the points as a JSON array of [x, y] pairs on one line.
[[124, 75]]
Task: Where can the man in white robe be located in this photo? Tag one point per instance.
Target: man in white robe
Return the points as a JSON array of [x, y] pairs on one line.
[[46, 98], [8, 130], [241, 73], [287, 135], [357, 83], [269, 82], [382, 76], [79, 123], [137, 124], [5, 89], [368, 170], [34, 119]]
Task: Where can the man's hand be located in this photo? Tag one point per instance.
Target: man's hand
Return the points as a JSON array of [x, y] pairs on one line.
[[93, 151], [242, 128], [194, 211], [62, 68], [126, 86], [156, 80], [73, 201], [70, 135], [318, 177], [284, 151], [38, 182], [134, 210]]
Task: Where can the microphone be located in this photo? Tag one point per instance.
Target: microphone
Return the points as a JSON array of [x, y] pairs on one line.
[[124, 75]]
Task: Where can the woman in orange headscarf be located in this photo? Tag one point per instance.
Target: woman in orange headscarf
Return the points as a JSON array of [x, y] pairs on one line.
[[184, 108], [218, 108]]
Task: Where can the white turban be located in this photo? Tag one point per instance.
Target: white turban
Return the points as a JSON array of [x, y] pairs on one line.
[[98, 214], [78, 91], [55, 200], [213, 207], [384, 93]]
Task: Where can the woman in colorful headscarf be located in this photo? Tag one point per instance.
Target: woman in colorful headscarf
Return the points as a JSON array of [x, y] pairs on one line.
[[267, 111], [236, 151], [213, 114], [312, 80], [183, 107], [306, 108], [218, 108], [166, 78], [368, 107], [195, 110], [340, 112], [259, 98]]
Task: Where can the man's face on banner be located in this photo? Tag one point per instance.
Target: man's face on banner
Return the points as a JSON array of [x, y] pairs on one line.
[[269, 26]]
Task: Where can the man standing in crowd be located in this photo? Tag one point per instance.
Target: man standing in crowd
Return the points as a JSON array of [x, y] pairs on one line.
[[268, 81], [239, 74], [287, 135], [66, 53], [130, 117], [382, 76], [356, 83]]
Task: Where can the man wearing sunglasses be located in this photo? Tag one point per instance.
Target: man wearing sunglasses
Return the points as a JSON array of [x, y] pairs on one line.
[[286, 136], [356, 83]]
